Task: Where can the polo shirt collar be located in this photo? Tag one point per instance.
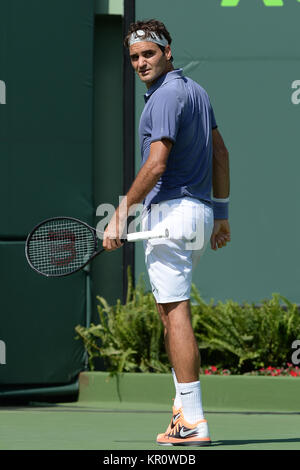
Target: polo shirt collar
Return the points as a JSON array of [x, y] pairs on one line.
[[177, 73]]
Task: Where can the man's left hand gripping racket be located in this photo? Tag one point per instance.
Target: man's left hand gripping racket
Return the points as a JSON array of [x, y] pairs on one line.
[[63, 245]]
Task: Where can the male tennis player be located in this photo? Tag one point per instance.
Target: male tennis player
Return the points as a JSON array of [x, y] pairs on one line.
[[185, 167]]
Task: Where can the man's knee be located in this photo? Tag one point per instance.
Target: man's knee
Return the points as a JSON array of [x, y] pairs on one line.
[[173, 312]]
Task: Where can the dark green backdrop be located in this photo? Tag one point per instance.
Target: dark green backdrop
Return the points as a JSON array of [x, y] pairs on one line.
[[46, 149]]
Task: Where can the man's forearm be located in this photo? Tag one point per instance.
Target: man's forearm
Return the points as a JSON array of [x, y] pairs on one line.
[[147, 177], [145, 180], [220, 178]]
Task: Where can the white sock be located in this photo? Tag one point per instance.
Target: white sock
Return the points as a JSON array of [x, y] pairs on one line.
[[191, 399], [177, 402]]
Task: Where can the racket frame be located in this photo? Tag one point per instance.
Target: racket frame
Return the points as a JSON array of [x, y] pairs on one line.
[[91, 229]]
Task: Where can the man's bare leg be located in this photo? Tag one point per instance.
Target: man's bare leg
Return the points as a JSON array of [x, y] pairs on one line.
[[184, 356], [180, 341]]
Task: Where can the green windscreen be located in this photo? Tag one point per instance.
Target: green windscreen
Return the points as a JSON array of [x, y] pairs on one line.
[[45, 125], [46, 85]]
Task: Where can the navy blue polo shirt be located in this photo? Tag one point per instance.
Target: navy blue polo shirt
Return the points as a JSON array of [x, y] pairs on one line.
[[177, 108]]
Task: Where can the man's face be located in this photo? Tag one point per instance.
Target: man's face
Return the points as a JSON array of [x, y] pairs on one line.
[[149, 61]]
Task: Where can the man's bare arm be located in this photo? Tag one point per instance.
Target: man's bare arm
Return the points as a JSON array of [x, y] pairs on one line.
[[221, 187], [145, 180], [221, 183], [150, 172]]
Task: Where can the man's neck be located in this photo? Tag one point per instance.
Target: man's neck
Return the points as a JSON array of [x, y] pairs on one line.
[[167, 70]]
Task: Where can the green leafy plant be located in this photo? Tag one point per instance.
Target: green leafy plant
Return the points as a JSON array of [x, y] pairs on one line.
[[233, 337], [128, 337], [246, 337]]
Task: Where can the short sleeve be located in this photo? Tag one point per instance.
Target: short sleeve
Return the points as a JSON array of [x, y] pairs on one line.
[[166, 115], [213, 120]]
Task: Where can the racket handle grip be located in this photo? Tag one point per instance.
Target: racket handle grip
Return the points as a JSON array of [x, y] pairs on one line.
[[136, 236]]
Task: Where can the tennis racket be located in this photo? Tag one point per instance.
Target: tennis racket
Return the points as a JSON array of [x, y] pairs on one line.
[[63, 245]]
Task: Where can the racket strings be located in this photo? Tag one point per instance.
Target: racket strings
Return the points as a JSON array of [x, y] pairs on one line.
[[60, 246]]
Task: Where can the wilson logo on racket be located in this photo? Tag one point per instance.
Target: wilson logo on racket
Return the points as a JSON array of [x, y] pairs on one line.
[[63, 249]]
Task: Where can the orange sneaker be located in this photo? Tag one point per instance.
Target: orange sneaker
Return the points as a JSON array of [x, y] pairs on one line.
[[186, 434], [175, 417]]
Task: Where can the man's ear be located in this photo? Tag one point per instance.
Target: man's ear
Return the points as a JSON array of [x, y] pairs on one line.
[[168, 52]]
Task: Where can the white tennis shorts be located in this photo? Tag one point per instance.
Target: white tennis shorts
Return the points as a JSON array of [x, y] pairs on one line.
[[170, 262]]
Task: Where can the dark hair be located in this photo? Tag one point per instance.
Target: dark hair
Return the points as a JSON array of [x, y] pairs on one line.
[[149, 26]]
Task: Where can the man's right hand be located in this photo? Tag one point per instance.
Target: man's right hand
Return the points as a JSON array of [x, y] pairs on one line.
[[220, 234]]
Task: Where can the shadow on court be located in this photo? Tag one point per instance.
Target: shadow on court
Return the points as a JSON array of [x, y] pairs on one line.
[[237, 442], [241, 442]]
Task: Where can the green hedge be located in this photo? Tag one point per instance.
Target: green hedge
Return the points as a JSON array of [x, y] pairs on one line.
[[241, 338]]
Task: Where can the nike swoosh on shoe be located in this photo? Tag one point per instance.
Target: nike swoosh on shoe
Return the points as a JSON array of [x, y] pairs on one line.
[[183, 433]]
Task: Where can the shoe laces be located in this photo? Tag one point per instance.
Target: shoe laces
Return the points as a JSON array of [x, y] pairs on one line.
[[176, 428]]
